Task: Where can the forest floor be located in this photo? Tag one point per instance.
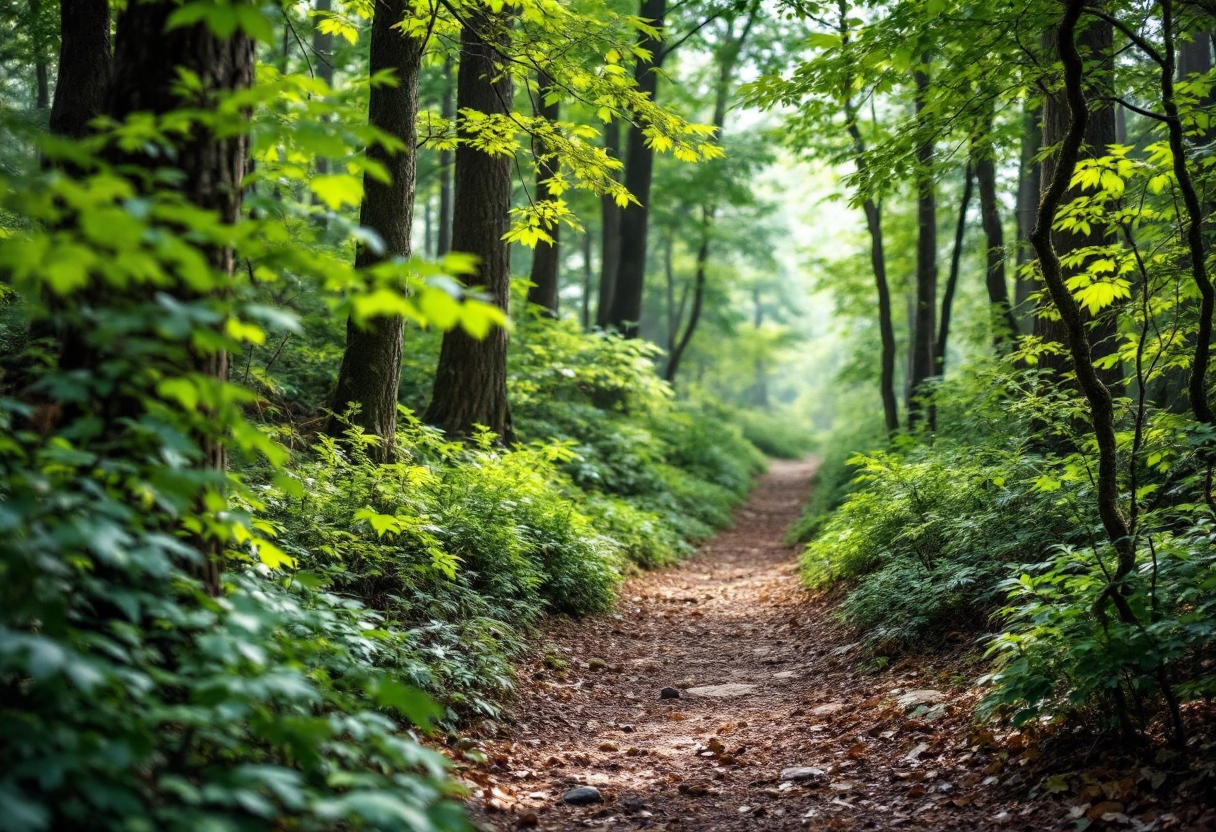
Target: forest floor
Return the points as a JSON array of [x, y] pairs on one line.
[[781, 722]]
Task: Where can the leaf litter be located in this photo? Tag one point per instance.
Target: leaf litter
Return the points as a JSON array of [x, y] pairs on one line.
[[796, 732]]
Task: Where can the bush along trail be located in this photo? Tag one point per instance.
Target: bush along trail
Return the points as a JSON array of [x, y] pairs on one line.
[[721, 695]]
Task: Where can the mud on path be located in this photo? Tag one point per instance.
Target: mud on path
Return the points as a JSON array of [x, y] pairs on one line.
[[767, 683]]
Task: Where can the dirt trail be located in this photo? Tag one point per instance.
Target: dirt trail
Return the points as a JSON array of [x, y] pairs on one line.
[[735, 615]]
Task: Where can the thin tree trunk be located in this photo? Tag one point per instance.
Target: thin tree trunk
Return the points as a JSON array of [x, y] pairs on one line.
[[471, 379], [1030, 175], [698, 300], [625, 313], [42, 81], [1096, 39], [1073, 111], [588, 275], [371, 366], [546, 259], [323, 62], [448, 111], [956, 257], [924, 331], [674, 319], [610, 233], [146, 59], [82, 86], [1004, 326]]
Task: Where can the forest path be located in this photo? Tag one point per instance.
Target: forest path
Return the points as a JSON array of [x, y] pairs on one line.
[[784, 692]]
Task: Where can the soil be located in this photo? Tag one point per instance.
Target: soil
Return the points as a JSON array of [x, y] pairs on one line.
[[768, 682]]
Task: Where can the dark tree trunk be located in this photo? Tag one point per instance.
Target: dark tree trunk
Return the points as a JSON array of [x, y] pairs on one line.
[[471, 379], [1030, 177], [610, 231], [546, 259], [42, 81], [1095, 39], [323, 62], [82, 86], [588, 276], [625, 313], [1004, 327], [448, 111], [698, 299], [146, 58], [956, 258], [924, 330], [371, 366]]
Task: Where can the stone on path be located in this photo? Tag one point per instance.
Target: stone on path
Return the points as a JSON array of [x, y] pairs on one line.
[[731, 689], [803, 774], [669, 693], [828, 709], [916, 698], [583, 796]]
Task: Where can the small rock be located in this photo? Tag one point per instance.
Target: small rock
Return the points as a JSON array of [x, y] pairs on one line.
[[786, 674], [803, 774], [914, 754], [686, 683], [633, 804], [669, 693], [827, 710], [731, 689], [609, 746], [915, 698], [596, 664], [628, 729], [583, 796]]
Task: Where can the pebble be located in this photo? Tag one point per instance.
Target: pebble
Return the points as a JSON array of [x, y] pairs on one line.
[[916, 698], [583, 796], [669, 693], [731, 689]]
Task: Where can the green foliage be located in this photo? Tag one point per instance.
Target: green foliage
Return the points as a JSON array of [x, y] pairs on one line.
[[776, 435]]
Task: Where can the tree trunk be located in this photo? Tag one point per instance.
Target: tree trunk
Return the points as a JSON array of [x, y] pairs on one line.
[[42, 81], [1072, 110], [924, 331], [448, 111], [471, 380], [146, 60], [698, 299], [1004, 326], [956, 257], [371, 366], [82, 86], [546, 259], [1095, 39], [323, 60], [588, 274], [610, 231], [1030, 177], [625, 313]]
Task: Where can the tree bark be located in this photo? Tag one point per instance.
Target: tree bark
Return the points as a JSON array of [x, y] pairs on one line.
[[956, 257], [610, 230], [588, 274], [371, 366], [42, 81], [471, 380], [146, 58], [698, 299], [1095, 39], [323, 60], [82, 86], [1030, 177], [625, 313], [1004, 326], [1073, 111], [448, 111], [546, 259], [924, 331]]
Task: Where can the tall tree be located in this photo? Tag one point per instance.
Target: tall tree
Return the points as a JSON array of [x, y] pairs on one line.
[[625, 313], [147, 58], [82, 85], [610, 233], [727, 53], [1094, 41], [546, 258], [471, 379], [323, 57], [1030, 175], [371, 366], [924, 331], [448, 112], [1004, 326], [956, 258]]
